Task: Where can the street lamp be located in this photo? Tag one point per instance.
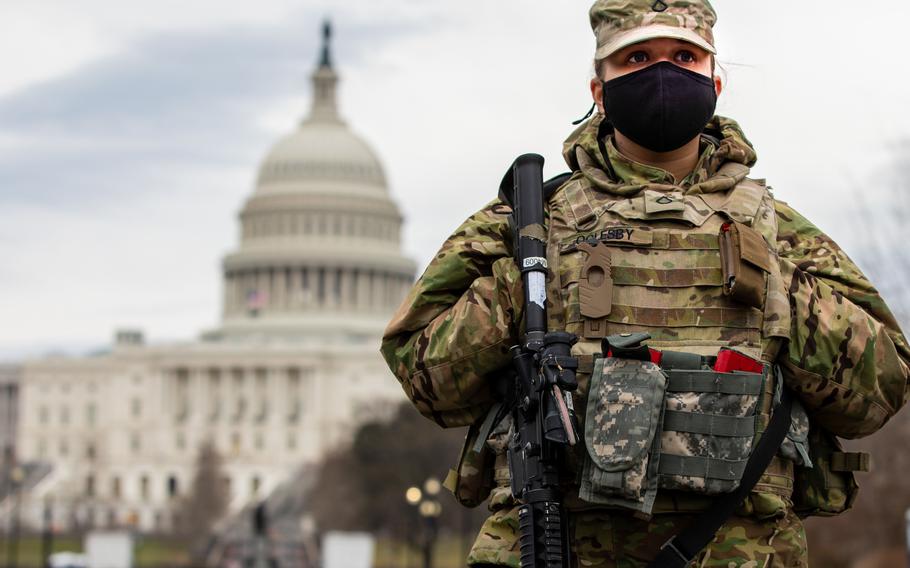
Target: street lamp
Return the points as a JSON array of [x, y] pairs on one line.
[[17, 476], [413, 496], [47, 536], [429, 510]]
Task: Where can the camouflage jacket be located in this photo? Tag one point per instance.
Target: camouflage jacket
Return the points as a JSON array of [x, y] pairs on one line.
[[846, 355]]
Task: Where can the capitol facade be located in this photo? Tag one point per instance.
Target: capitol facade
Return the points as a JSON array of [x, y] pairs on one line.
[[112, 439]]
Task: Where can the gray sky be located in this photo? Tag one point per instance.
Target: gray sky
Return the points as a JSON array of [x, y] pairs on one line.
[[130, 132]]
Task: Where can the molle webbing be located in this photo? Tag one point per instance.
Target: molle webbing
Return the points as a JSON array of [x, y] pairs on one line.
[[706, 381], [849, 461], [702, 467], [667, 278], [710, 382], [685, 317], [709, 424]]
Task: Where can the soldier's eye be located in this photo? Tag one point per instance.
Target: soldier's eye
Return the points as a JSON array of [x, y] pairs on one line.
[[638, 57], [685, 56]]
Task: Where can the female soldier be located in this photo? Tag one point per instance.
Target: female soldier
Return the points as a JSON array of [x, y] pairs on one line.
[[705, 260]]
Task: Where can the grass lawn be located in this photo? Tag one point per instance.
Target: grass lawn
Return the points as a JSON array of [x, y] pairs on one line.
[[149, 552]]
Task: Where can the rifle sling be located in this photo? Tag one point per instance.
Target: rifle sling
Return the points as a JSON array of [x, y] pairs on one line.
[[682, 548]]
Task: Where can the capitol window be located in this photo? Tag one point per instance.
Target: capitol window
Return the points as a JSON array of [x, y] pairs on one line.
[[144, 487], [135, 443], [216, 410], [136, 408], [90, 414], [263, 413], [294, 410], [240, 409]]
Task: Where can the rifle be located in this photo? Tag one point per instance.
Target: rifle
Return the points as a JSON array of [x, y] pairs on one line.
[[540, 398]]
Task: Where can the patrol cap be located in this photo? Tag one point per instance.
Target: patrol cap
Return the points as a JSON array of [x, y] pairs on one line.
[[621, 23]]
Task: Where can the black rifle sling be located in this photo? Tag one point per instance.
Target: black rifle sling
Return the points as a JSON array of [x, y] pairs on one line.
[[682, 548]]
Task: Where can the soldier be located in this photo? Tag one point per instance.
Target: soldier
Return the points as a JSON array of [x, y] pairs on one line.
[[692, 251]]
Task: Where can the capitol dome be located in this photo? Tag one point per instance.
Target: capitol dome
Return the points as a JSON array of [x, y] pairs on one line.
[[321, 151], [320, 246]]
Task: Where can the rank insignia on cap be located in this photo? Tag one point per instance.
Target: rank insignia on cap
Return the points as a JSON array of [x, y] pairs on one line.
[[659, 6]]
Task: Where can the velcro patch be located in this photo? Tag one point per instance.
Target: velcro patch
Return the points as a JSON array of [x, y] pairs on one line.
[[612, 235]]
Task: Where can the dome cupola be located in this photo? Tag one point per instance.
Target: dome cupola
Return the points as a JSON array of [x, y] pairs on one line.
[[320, 246]]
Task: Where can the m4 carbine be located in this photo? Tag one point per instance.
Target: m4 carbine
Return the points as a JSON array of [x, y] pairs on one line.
[[541, 401]]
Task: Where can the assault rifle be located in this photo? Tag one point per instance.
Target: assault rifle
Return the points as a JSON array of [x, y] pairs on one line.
[[540, 398]]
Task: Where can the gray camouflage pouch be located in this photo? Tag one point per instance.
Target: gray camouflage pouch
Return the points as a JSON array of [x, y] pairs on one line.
[[795, 446], [623, 418]]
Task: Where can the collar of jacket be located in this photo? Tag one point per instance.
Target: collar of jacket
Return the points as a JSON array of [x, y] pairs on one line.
[[725, 161]]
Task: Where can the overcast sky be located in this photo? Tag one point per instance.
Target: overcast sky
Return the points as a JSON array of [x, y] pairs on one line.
[[130, 132]]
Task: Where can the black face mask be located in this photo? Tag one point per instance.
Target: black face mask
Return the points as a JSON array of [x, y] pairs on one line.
[[661, 107]]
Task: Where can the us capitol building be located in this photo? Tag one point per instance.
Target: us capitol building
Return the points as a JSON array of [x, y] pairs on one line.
[[290, 371]]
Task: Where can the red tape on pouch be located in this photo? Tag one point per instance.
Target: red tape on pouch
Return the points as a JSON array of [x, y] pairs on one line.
[[729, 361]]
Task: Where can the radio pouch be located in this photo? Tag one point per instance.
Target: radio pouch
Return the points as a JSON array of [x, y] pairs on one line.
[[745, 262]]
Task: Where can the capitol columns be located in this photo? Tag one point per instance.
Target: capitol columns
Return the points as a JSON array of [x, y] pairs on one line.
[[363, 290], [347, 285], [263, 288], [296, 293], [281, 288]]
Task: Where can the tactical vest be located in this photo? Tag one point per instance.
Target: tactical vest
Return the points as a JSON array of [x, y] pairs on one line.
[[653, 263]]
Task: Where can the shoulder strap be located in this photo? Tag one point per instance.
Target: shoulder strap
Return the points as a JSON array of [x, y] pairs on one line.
[[682, 548], [741, 203]]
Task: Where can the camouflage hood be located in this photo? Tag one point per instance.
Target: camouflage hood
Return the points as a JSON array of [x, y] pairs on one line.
[[726, 163]]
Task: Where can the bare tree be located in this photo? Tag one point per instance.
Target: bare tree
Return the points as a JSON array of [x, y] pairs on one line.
[[362, 485], [884, 208], [206, 503], [877, 521]]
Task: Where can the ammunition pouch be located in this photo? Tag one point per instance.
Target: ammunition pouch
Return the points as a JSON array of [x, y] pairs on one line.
[[624, 415], [690, 429]]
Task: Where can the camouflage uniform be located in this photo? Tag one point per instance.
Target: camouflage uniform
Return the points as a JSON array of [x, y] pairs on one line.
[[838, 344]]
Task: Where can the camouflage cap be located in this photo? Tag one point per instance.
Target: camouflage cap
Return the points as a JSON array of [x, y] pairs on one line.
[[621, 23]]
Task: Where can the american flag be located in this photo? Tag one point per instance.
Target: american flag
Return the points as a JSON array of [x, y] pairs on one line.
[[255, 300]]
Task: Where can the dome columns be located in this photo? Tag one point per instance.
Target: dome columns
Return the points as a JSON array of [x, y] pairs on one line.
[[294, 290]]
